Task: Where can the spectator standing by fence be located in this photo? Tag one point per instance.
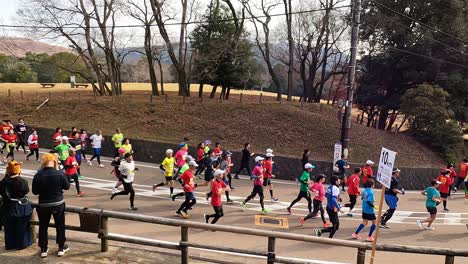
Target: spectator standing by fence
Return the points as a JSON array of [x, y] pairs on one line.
[[17, 210], [49, 183]]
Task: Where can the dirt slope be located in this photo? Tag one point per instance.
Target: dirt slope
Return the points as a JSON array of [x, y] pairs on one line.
[[286, 127]]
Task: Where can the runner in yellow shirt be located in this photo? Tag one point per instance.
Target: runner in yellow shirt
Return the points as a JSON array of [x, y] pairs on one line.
[[168, 167], [117, 138]]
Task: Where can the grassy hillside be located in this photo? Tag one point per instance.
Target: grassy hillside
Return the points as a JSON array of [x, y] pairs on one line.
[[285, 127]]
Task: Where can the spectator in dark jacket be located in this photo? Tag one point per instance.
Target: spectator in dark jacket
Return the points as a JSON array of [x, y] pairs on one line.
[[17, 209], [49, 183]]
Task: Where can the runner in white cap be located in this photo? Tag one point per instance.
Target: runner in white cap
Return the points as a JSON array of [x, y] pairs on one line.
[[189, 185], [367, 172], [257, 177], [304, 189], [432, 200], [268, 173], [218, 187]]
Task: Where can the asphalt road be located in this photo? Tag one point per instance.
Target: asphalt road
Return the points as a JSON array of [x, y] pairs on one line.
[[451, 230]]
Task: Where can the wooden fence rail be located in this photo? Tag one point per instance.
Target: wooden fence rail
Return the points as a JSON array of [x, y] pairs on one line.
[[184, 244]]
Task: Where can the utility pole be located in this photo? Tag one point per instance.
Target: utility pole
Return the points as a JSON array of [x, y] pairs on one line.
[[346, 124]]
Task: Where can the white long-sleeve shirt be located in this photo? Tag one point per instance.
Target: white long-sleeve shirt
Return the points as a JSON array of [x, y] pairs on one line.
[[127, 169]]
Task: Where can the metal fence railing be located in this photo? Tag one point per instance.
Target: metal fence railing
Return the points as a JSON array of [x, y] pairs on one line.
[[96, 221]]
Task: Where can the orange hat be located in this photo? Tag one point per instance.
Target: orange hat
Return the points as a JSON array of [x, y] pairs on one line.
[[48, 157], [13, 168]]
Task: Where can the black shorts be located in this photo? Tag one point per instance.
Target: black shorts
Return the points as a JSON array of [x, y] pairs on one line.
[[432, 210], [168, 178], [257, 190], [444, 195], [209, 175], [369, 217], [266, 182]]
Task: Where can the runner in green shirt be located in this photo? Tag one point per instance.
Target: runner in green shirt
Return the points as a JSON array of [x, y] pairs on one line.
[[432, 200], [304, 189], [63, 150]]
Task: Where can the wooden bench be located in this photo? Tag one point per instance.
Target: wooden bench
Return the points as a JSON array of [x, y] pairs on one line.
[[44, 85], [81, 85]]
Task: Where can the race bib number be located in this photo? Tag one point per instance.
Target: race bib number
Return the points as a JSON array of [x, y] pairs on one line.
[[22, 129]]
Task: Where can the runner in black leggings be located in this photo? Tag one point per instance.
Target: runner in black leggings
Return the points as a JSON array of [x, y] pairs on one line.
[[127, 169], [333, 207], [245, 161]]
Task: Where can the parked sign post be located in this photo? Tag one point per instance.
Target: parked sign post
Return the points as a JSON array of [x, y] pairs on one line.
[[337, 152], [384, 176]]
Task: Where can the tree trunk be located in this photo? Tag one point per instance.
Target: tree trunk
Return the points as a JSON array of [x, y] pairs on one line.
[[149, 58], [223, 92], [228, 93], [161, 76], [200, 90], [331, 89], [382, 123], [213, 91], [325, 56]]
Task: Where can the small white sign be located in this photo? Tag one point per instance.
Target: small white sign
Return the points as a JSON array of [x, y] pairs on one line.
[[384, 173], [337, 152]]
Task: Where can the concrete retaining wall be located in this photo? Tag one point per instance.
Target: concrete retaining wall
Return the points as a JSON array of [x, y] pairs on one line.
[[284, 168]]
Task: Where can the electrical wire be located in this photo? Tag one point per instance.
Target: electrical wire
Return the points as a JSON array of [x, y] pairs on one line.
[[173, 23]]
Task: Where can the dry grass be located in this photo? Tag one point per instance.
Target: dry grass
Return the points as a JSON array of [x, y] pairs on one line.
[[284, 127]]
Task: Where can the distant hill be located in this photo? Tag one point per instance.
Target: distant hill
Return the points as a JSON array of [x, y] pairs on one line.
[[18, 47]]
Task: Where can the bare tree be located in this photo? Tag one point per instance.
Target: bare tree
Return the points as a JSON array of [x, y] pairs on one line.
[[159, 8], [288, 15], [140, 10], [265, 7]]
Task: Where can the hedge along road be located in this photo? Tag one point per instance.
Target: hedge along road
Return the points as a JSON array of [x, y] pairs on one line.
[[450, 227]]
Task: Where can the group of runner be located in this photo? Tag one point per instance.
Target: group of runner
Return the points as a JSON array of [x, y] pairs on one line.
[[215, 165]]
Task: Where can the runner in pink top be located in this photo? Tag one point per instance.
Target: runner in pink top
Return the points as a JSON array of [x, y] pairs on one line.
[[319, 195], [257, 177]]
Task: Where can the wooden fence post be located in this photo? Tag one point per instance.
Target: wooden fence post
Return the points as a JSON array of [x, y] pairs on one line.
[[241, 97], [261, 95], [64, 95], [271, 250], [9, 92], [95, 97], [37, 96], [79, 97], [50, 95], [104, 232], [21, 92], [361, 256], [449, 259], [201, 99], [166, 98], [33, 228], [151, 97], [184, 248]]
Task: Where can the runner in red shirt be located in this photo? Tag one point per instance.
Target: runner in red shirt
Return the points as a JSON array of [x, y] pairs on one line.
[[353, 190], [71, 170], [5, 130], [367, 171], [57, 137], [189, 186], [462, 173], [10, 142], [217, 150], [453, 176], [218, 187], [444, 186], [268, 174]]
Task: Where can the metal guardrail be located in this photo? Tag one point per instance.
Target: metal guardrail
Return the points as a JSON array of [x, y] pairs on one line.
[[101, 228]]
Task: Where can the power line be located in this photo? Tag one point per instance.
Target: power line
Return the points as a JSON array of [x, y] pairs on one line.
[[175, 23], [419, 22], [428, 57]]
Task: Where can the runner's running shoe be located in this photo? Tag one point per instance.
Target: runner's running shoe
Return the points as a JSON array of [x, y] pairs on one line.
[[418, 222], [356, 236]]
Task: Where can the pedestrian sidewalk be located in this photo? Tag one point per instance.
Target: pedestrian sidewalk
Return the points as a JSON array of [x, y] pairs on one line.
[[81, 253]]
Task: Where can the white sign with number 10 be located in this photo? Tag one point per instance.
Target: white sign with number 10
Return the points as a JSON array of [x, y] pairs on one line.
[[384, 173]]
